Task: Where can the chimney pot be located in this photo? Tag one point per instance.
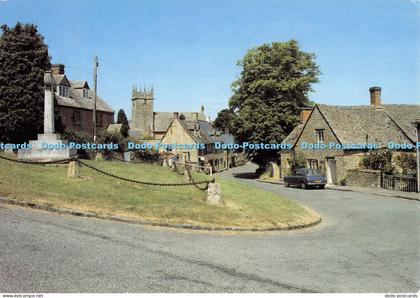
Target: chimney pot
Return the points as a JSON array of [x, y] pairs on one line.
[[305, 112], [57, 69], [375, 96]]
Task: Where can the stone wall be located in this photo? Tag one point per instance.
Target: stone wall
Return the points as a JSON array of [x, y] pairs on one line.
[[361, 177], [85, 119]]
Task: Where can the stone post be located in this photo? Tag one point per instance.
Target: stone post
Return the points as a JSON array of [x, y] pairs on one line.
[[73, 170], [186, 176], [49, 104], [214, 194]]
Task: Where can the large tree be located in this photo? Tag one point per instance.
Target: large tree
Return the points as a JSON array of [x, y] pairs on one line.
[[122, 119], [275, 81], [23, 60], [223, 119]]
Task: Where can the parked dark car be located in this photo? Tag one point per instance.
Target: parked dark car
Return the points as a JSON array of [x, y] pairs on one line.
[[305, 178]]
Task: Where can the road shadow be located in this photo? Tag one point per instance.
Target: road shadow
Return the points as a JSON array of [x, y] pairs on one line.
[[250, 175]]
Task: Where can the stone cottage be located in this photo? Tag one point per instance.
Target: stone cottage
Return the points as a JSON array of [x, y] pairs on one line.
[[354, 129], [200, 133], [75, 103]]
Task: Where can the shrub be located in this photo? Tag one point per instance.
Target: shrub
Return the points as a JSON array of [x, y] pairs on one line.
[[147, 155], [79, 137], [407, 162], [379, 160], [105, 137], [298, 161]]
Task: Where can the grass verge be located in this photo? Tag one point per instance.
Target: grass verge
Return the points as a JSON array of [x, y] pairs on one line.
[[243, 205]]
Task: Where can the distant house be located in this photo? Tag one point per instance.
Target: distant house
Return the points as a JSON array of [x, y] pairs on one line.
[[374, 123], [196, 132], [75, 102]]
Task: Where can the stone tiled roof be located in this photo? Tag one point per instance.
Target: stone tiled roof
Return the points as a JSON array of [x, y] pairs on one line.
[[354, 124], [77, 100], [404, 116], [162, 120], [294, 135], [361, 124], [61, 80], [205, 134], [79, 84], [115, 128]]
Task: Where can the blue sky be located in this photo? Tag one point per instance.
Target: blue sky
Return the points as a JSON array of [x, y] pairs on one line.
[[188, 49]]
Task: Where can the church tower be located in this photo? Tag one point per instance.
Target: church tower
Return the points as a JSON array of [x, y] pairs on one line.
[[142, 111]]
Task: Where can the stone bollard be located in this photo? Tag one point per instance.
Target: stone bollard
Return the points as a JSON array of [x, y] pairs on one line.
[[99, 157], [186, 176], [128, 156], [73, 170], [214, 194]]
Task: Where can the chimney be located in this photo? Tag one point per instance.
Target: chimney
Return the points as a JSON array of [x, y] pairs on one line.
[[375, 96], [175, 115], [57, 69], [305, 112]]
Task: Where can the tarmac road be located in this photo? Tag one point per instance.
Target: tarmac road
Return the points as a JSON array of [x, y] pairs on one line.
[[367, 243]]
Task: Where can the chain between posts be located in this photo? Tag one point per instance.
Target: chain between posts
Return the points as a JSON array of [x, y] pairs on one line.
[[177, 170], [61, 161], [196, 185], [67, 160], [132, 161], [138, 181]]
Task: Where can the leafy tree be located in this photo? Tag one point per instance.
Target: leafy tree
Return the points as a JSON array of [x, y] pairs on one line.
[[23, 61], [224, 119], [275, 81], [122, 119]]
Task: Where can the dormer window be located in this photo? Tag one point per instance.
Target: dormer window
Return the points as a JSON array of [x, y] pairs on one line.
[[63, 90], [85, 93]]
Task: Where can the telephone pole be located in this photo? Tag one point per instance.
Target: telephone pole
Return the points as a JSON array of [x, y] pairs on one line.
[[418, 154], [95, 79]]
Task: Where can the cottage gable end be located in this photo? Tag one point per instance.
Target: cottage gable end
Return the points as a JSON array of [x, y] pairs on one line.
[[316, 130]]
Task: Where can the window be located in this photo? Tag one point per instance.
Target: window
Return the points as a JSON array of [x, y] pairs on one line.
[[320, 135], [63, 90], [85, 93], [76, 117], [98, 119], [313, 164]]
